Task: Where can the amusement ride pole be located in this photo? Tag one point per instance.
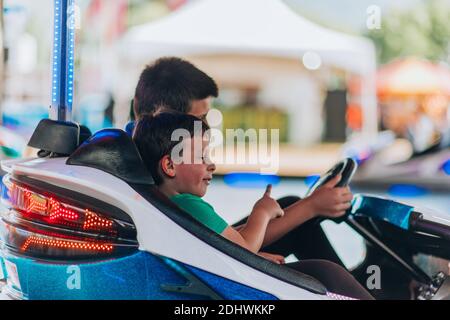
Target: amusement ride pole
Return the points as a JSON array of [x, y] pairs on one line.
[[63, 60]]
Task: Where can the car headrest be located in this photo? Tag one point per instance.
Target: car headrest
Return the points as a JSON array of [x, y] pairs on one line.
[[112, 151], [58, 138]]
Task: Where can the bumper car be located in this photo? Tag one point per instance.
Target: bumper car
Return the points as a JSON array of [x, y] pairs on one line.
[[93, 226], [84, 220], [401, 163], [89, 223]]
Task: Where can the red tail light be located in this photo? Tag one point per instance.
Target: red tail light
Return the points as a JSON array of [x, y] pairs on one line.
[[43, 241], [40, 223], [35, 206]]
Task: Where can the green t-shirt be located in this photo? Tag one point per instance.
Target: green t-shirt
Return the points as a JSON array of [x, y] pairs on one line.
[[200, 210]]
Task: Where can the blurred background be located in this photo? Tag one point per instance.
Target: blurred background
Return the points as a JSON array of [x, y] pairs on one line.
[[362, 79]]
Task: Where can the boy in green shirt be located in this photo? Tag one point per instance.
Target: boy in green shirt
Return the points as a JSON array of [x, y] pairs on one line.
[[185, 176], [185, 181]]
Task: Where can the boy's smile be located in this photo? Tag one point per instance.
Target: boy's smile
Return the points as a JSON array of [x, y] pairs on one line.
[[193, 175]]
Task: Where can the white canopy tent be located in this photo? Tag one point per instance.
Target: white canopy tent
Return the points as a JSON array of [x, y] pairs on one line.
[[254, 27]]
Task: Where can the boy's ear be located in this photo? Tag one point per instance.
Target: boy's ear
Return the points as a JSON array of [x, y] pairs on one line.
[[167, 166]]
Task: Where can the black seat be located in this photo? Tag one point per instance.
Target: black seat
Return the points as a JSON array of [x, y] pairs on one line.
[[58, 138], [113, 151]]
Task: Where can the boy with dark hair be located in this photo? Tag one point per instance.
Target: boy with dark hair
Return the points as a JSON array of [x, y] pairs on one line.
[[186, 182], [174, 83], [178, 85], [185, 177]]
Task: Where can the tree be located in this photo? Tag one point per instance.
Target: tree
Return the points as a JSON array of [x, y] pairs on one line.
[[421, 31]]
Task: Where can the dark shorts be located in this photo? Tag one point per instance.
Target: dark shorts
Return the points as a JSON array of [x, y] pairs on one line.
[[318, 259]]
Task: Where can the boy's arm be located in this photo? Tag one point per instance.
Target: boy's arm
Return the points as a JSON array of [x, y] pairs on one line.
[[251, 235], [294, 215], [327, 201]]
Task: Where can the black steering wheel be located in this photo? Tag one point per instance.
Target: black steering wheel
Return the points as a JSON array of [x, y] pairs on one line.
[[346, 168]]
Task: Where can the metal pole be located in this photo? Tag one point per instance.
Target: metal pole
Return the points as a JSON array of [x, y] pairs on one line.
[[63, 60]]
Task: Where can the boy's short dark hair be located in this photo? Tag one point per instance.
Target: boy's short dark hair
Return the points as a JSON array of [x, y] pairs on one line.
[[152, 136], [171, 82]]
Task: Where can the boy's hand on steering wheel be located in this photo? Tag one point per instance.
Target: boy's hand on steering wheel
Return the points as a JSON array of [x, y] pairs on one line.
[[329, 201]]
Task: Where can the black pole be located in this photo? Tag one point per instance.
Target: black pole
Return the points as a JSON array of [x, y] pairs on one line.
[[63, 63]]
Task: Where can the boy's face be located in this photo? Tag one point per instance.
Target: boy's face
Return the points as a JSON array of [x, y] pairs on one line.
[[200, 108], [194, 175]]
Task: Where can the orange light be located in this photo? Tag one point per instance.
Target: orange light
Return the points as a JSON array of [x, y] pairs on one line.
[[41, 224], [354, 116], [35, 240], [57, 211], [93, 222], [34, 205]]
